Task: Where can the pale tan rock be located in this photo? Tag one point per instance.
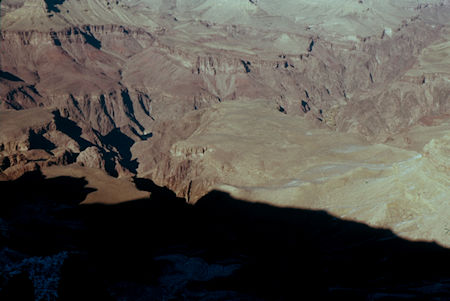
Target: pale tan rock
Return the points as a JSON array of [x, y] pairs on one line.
[[91, 157]]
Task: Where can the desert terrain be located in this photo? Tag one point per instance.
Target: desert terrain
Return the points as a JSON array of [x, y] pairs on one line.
[[291, 108]]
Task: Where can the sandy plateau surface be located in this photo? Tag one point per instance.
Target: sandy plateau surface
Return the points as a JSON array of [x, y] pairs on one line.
[[107, 190], [254, 152]]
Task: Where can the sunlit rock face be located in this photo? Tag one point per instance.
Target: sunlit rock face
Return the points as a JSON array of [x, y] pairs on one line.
[[335, 105]]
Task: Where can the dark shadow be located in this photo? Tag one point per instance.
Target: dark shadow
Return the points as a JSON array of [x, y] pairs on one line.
[[157, 192], [34, 187], [78, 273], [311, 253], [305, 107], [246, 65], [123, 144], [55, 39], [143, 137], [71, 129], [19, 288], [10, 76], [16, 98], [52, 5], [164, 249], [105, 110], [34, 90], [30, 206], [90, 39], [38, 141], [145, 106], [311, 45], [129, 109], [110, 163], [283, 254], [5, 163]]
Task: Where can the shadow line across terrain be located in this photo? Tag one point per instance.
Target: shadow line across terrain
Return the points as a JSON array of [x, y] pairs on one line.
[[221, 248]]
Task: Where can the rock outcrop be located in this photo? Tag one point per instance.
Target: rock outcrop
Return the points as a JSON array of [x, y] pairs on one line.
[[141, 88]]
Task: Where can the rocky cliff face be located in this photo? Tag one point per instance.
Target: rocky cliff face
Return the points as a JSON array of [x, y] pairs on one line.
[[130, 87], [323, 73]]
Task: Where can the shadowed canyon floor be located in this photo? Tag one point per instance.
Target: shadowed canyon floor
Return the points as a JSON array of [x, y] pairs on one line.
[[294, 113], [221, 248]]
